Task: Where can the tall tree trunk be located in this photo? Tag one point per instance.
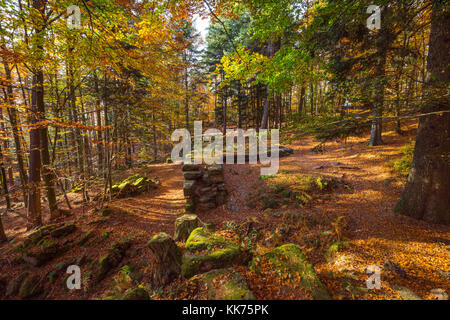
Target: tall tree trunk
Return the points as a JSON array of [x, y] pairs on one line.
[[384, 40], [34, 195], [301, 101], [47, 172], [37, 104], [426, 194], [378, 102], [186, 101], [16, 133], [265, 116]]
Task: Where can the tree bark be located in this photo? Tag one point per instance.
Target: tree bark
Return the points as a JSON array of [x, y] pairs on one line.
[[37, 104], [34, 195], [2, 232], [16, 132], [426, 194]]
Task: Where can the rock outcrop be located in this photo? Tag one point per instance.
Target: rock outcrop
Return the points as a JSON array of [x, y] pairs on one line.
[[206, 251]]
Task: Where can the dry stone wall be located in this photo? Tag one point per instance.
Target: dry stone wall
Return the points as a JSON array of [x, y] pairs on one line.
[[204, 186]]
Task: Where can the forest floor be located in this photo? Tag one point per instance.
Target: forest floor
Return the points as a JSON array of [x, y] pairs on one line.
[[354, 211]]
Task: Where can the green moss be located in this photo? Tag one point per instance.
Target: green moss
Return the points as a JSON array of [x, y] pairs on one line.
[[334, 248], [106, 212], [200, 239], [289, 259], [30, 287], [112, 259], [400, 207], [63, 231], [221, 253], [402, 166], [85, 238], [136, 294]]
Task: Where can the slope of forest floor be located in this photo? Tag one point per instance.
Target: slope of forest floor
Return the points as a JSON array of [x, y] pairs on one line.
[[343, 226]]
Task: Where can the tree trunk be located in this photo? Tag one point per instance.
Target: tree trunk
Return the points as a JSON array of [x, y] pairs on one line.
[[16, 133], [47, 173], [37, 104], [2, 232], [4, 181], [384, 40], [34, 195], [426, 194], [265, 116], [301, 100]]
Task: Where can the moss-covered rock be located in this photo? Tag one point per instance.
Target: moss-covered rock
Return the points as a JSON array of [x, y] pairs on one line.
[[288, 260], [136, 294], [222, 284], [111, 259], [85, 238], [168, 259], [133, 185], [106, 212], [30, 287], [206, 251], [184, 226], [14, 285], [36, 236], [63, 231], [46, 250]]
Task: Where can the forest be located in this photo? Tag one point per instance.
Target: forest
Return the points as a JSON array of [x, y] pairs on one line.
[[352, 96]]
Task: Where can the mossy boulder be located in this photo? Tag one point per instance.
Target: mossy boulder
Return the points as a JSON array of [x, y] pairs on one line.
[[222, 284], [184, 226], [136, 294], [46, 250], [288, 260], [63, 231], [111, 259], [36, 236], [14, 285], [30, 287], [168, 259], [133, 185], [206, 251], [85, 238], [106, 212]]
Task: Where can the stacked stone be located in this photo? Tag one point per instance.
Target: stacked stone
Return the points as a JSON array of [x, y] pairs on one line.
[[203, 187]]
